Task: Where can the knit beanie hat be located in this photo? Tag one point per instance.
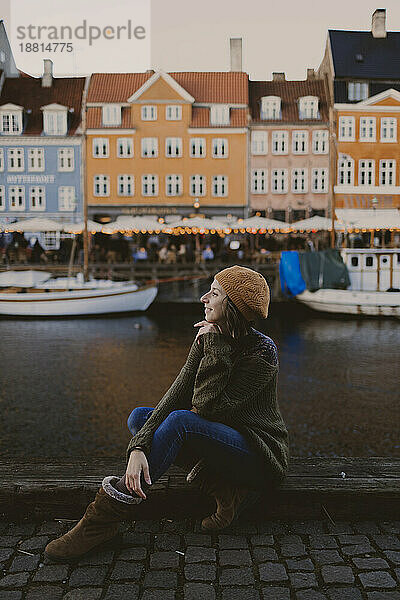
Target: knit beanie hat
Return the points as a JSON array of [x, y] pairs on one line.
[[247, 289]]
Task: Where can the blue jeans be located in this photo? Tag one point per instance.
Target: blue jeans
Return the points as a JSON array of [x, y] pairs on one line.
[[185, 437]]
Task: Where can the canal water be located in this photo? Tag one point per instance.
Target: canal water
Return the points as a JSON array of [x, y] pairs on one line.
[[67, 386]]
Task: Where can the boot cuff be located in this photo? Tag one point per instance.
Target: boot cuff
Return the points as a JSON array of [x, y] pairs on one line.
[[110, 490]]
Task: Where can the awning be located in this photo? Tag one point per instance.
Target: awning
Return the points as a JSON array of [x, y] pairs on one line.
[[371, 218]]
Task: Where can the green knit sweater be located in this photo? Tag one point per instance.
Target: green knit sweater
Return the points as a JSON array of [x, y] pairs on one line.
[[231, 382]]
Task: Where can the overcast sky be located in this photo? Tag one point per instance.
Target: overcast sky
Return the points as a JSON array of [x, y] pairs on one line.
[[187, 35]]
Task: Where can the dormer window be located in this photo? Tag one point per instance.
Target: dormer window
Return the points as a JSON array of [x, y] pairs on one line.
[[220, 114], [55, 119], [270, 107], [11, 119], [111, 114], [308, 107]]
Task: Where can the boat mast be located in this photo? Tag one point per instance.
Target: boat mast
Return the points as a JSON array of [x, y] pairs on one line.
[[84, 188]]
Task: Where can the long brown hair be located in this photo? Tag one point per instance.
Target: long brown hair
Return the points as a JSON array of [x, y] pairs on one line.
[[236, 323]]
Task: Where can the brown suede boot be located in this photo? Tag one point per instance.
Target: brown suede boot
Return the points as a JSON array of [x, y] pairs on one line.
[[231, 500], [99, 524]]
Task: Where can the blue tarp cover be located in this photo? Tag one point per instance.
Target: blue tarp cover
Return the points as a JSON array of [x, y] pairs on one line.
[[292, 282]]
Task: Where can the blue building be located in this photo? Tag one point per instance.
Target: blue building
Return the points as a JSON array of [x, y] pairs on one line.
[[40, 147]]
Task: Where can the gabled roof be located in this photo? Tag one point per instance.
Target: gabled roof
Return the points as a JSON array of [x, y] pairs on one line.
[[357, 54], [29, 93], [170, 81], [228, 87], [289, 92]]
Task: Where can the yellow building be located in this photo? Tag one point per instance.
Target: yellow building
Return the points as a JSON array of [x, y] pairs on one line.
[[167, 143], [368, 152]]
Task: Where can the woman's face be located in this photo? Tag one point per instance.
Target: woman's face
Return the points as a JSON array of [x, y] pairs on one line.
[[214, 301]]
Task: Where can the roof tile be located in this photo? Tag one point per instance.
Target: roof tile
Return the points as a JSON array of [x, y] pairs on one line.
[[28, 92], [289, 92]]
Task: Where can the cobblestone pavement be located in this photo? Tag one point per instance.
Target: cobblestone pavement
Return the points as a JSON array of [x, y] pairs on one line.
[[171, 560]]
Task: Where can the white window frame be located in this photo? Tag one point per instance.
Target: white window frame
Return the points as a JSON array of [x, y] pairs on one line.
[[367, 126], [219, 114], [259, 142], [319, 180], [173, 185], [347, 129], [357, 90], [173, 147], [103, 183], [259, 181], [386, 172], [270, 108], [14, 118], [308, 107], [66, 159], [37, 192], [300, 142], [149, 147], [173, 112], [280, 142], [299, 180], [125, 185], [124, 147], [320, 141], [55, 122], [2, 197], [1, 159], [101, 147], [219, 148], [16, 154], [220, 186], [149, 112], [281, 176], [368, 170], [36, 159], [20, 193], [67, 198], [197, 186], [345, 170], [111, 114], [197, 147], [388, 125], [151, 180]]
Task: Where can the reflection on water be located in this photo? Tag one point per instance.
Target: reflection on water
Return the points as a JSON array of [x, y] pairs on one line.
[[68, 386]]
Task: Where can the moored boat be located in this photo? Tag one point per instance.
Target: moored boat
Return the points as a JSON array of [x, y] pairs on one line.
[[70, 296], [372, 289]]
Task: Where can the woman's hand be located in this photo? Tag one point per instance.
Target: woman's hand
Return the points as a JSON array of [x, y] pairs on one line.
[[136, 464], [206, 327]]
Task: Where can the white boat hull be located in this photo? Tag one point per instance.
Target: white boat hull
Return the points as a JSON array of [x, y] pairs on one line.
[[353, 302], [114, 299]]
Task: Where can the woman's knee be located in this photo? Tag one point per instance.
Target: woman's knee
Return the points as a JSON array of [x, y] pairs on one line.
[[138, 417], [178, 417]]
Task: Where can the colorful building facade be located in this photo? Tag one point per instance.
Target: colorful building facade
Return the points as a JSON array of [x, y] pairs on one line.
[[40, 147], [368, 152], [289, 148], [167, 143]]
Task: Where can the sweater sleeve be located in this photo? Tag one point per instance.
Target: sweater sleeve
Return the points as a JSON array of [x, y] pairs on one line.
[[177, 397], [223, 386]]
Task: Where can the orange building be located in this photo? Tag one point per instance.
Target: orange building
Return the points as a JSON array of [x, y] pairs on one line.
[[368, 152], [167, 143]]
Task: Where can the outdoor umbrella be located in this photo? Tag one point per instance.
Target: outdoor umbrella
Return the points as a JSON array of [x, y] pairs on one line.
[[92, 227], [35, 225], [315, 223]]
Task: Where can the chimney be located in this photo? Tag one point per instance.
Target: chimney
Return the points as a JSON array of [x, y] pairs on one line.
[[378, 28], [278, 76], [310, 74], [47, 77], [236, 54]]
